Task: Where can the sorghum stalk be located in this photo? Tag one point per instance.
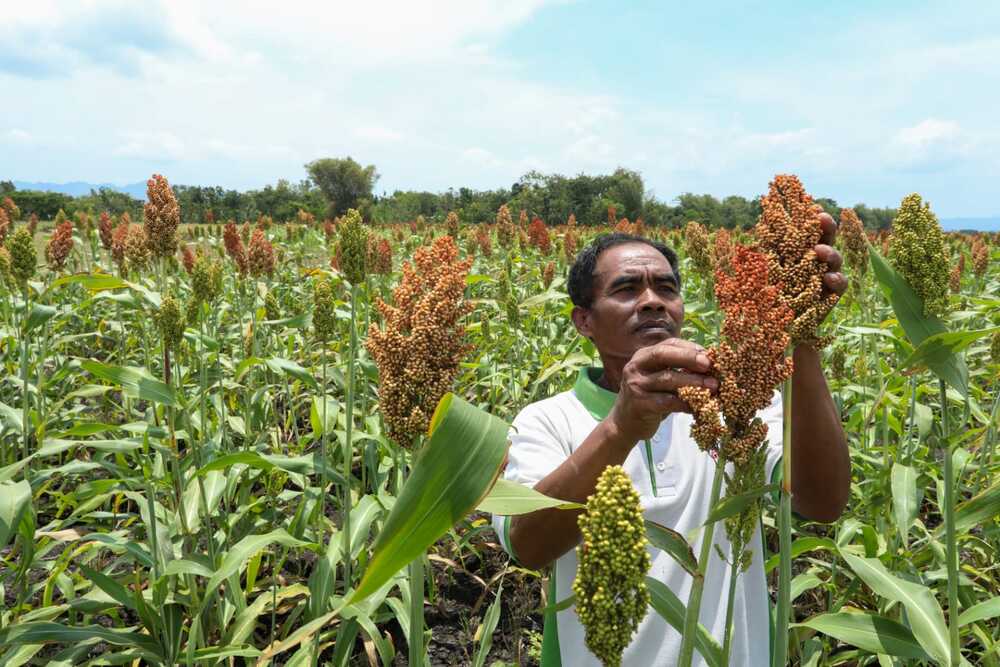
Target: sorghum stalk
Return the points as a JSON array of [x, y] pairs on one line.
[[783, 611], [951, 547], [348, 444], [698, 585]]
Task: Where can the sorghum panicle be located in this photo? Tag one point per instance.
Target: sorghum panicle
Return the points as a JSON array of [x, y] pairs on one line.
[[980, 257], [610, 584], [451, 224], [324, 315], [696, 244], [105, 229], [421, 343], [722, 250], [260, 255], [5, 276], [234, 247], [484, 240], [170, 321], [162, 216], [32, 223], [206, 279], [788, 231], [352, 247], [855, 241], [379, 261], [548, 274], [570, 244], [918, 252], [11, 209], [538, 234], [187, 258], [59, 246], [134, 247], [505, 227], [23, 258]]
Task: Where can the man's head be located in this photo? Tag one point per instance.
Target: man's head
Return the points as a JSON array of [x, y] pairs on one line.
[[626, 294]]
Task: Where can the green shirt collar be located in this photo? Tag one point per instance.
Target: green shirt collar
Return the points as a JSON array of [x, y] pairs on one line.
[[596, 399]]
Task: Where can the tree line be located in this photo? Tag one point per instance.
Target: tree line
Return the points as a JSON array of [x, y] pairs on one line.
[[336, 184]]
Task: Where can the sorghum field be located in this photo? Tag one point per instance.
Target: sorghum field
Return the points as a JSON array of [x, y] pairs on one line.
[[217, 444]]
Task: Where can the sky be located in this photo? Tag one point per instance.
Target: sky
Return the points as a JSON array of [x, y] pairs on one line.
[[866, 102]]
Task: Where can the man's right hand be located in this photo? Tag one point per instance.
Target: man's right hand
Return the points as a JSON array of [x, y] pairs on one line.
[[650, 380]]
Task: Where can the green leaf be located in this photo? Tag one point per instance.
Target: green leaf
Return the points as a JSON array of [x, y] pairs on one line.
[[909, 309], [508, 498], [307, 464], [801, 546], [292, 369], [804, 582], [442, 487], [980, 612], [904, 497], [95, 282], [674, 544], [666, 603], [40, 314], [485, 630], [923, 610], [49, 632], [979, 509], [241, 552], [940, 345], [733, 505], [316, 414], [875, 634], [136, 382], [15, 499]]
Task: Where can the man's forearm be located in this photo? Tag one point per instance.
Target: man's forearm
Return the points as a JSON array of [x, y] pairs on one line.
[[821, 465], [543, 536]]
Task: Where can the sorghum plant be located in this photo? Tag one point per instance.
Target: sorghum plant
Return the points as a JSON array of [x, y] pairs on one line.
[[696, 243], [352, 247], [234, 247], [260, 255], [105, 229], [918, 252], [162, 216], [59, 246], [451, 224], [505, 227], [610, 584]]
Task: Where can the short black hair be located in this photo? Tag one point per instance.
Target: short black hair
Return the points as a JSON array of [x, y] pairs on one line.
[[581, 274]]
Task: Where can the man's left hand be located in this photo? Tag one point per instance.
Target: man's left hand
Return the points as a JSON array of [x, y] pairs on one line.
[[833, 280]]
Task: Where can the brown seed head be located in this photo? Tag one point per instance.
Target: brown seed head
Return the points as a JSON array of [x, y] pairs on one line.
[[234, 247], [59, 246], [260, 255], [105, 229], [162, 216], [421, 343]]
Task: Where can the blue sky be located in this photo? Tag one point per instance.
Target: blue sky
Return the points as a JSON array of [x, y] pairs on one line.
[[865, 101]]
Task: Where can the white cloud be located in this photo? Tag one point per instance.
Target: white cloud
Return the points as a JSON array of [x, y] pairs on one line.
[[18, 136], [931, 144]]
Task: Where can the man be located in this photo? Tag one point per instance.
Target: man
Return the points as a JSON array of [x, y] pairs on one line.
[[627, 301]]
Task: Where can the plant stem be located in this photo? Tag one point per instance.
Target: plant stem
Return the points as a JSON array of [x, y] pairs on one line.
[[416, 648], [951, 548], [780, 650], [348, 448], [698, 586], [727, 643]]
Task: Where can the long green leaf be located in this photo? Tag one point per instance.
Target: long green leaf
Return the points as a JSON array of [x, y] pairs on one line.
[[909, 309], [733, 505], [510, 498], [442, 487], [49, 632], [307, 464], [486, 630], [904, 497], [95, 282], [980, 612], [15, 499], [666, 603], [673, 543], [926, 617], [939, 346], [875, 634], [137, 382]]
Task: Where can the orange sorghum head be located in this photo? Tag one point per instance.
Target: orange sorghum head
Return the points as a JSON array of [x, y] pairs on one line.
[[788, 231], [4, 224], [505, 227], [59, 246], [980, 257], [722, 250], [855, 242], [421, 343], [234, 246], [260, 255], [162, 216], [187, 258], [538, 234], [105, 228]]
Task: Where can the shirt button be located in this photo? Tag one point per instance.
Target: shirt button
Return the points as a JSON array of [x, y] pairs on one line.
[[661, 466]]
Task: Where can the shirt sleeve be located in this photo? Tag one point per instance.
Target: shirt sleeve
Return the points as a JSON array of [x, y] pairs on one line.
[[537, 447], [772, 417]]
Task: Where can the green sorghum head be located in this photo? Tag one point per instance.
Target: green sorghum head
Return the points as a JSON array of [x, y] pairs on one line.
[[324, 316], [353, 247], [206, 279], [170, 321], [271, 308], [995, 348], [23, 257], [917, 250], [610, 584]]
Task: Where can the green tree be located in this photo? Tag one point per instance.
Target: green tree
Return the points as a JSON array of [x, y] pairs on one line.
[[344, 183]]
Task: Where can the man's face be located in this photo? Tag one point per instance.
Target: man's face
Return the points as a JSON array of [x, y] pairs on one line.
[[637, 302]]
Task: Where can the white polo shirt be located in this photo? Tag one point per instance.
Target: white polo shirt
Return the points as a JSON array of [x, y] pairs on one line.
[[674, 480]]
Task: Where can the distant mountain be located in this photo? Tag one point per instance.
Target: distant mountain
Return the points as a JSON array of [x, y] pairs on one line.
[[979, 224], [79, 188]]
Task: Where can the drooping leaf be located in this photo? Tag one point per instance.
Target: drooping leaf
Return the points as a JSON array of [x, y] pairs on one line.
[[674, 544], [15, 499], [666, 603], [136, 382], [874, 634], [980, 612], [508, 498], [904, 497], [733, 505], [909, 309], [923, 610], [442, 487]]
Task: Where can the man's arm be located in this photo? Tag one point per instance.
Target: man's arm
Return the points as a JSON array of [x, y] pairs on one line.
[[821, 465], [646, 396]]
